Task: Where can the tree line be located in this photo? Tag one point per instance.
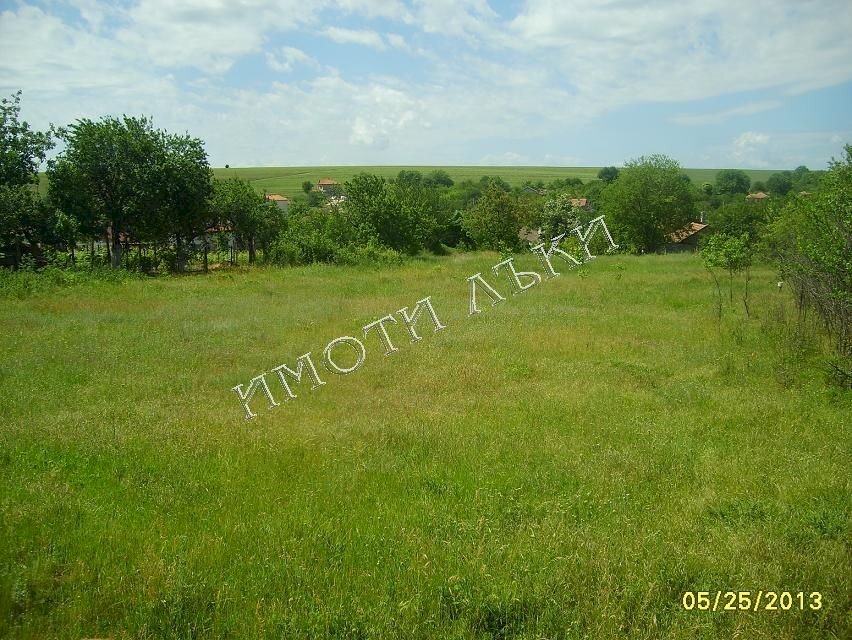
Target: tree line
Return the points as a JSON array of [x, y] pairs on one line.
[[120, 182]]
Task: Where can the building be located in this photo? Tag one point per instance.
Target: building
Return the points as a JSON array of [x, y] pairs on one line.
[[686, 239], [580, 203], [327, 185], [283, 202], [757, 197]]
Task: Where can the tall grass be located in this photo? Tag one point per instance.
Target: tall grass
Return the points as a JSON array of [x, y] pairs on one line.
[[564, 465]]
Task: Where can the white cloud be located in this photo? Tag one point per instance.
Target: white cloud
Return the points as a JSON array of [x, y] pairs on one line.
[[483, 80], [786, 149], [283, 59], [719, 116], [628, 52], [354, 36]]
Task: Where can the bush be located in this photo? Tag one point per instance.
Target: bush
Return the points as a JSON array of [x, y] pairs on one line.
[[372, 254]]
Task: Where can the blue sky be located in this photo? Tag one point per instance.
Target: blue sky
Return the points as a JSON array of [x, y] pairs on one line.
[[716, 83]]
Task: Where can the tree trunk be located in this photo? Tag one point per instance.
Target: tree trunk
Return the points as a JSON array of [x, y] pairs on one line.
[[92, 253], [251, 250], [181, 258], [205, 254], [17, 253]]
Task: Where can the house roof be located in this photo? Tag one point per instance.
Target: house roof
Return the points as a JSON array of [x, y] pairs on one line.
[[327, 181], [689, 230], [579, 202], [277, 197], [757, 196]]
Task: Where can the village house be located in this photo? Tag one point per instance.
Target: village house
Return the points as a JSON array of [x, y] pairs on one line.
[[327, 185], [757, 197], [686, 238], [283, 202]]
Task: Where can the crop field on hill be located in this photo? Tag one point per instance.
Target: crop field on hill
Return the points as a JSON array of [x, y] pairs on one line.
[[566, 464], [288, 180]]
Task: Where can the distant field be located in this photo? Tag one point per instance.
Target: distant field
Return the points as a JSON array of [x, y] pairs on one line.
[[288, 180], [565, 465]]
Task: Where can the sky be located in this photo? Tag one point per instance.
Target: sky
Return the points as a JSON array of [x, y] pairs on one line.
[[715, 83]]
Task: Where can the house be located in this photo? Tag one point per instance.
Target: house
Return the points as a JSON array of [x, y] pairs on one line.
[[327, 185], [686, 239], [283, 202], [580, 203], [757, 197]]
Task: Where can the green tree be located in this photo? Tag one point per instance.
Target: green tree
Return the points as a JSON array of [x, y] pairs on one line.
[[732, 181], [737, 218], [106, 176], [236, 204], [559, 216], [24, 220], [780, 183], [759, 186], [438, 178], [649, 200], [493, 222], [732, 253], [811, 240], [180, 189], [22, 150], [307, 186], [608, 174]]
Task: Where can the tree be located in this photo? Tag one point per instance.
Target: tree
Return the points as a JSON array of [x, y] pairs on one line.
[[104, 175], [307, 185], [811, 240], [732, 181], [438, 178], [608, 174], [780, 183], [732, 253], [559, 216], [22, 150], [235, 203], [423, 208], [181, 191], [121, 178], [739, 217], [649, 200], [371, 212], [24, 220], [759, 186], [493, 222]]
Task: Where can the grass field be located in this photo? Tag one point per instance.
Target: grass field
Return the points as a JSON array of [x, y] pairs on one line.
[[288, 180], [564, 465]]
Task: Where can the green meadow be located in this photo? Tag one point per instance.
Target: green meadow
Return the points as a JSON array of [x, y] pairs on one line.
[[288, 180], [566, 464]]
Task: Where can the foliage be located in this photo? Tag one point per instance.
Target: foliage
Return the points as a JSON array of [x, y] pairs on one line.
[[493, 222], [22, 150], [438, 178], [732, 181], [312, 235], [371, 253], [608, 174], [811, 240], [739, 217], [120, 177], [650, 199], [24, 220], [780, 183], [559, 216]]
